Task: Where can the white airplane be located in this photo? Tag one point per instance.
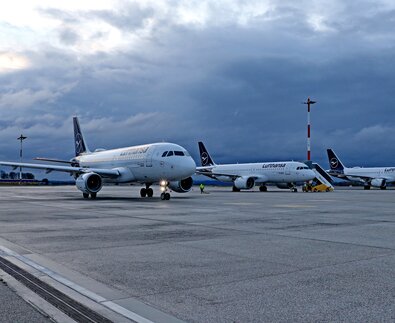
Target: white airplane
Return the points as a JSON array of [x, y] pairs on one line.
[[369, 176], [168, 164], [246, 176]]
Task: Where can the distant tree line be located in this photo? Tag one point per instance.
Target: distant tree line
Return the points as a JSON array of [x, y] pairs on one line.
[[15, 175]]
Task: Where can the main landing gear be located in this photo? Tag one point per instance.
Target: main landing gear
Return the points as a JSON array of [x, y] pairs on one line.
[[86, 195], [263, 188], [146, 191]]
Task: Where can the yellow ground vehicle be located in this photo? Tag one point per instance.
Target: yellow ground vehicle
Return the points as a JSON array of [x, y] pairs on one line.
[[322, 183], [316, 186]]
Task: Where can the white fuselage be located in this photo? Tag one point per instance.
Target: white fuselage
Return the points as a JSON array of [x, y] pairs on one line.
[[144, 164], [275, 172], [361, 173]]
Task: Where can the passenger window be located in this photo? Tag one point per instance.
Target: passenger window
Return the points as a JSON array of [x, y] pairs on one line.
[[170, 153], [164, 154], [178, 153]]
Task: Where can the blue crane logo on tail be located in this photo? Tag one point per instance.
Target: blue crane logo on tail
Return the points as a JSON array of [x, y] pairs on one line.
[[334, 162]]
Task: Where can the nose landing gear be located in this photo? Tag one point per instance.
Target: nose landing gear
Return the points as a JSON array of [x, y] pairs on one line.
[[163, 187], [165, 196]]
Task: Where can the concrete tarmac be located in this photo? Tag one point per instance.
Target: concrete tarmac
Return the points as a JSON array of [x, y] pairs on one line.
[[218, 257]]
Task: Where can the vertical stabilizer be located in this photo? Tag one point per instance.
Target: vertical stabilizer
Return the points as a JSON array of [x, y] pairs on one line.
[[80, 145], [205, 157], [334, 161]]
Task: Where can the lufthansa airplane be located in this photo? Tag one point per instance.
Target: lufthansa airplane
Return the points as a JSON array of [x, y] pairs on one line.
[[246, 176], [168, 164], [369, 176]]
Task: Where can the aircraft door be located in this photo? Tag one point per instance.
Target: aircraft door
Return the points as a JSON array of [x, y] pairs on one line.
[[148, 157], [287, 170]]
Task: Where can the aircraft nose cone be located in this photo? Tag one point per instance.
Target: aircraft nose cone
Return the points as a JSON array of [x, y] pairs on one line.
[[190, 166], [311, 174]]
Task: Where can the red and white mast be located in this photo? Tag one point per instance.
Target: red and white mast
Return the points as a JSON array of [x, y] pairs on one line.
[[308, 102]]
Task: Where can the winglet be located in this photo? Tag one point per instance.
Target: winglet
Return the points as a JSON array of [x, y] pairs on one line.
[[80, 145], [205, 157]]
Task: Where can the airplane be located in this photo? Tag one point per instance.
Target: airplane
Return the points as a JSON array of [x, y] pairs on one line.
[[168, 164], [369, 176], [246, 176]]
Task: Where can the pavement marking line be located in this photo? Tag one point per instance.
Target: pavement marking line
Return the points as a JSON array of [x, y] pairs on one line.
[[294, 206], [240, 203], [91, 295]]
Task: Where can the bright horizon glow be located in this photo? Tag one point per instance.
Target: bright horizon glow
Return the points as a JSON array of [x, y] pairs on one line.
[[11, 62]]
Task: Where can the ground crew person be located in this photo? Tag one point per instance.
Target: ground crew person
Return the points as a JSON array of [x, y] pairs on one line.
[[201, 186]]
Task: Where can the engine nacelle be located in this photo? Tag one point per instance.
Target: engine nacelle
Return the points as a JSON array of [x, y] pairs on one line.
[[378, 182], [182, 186], [244, 182], [89, 183]]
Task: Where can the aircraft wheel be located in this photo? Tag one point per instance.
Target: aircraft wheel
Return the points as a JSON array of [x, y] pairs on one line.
[[235, 189], [150, 192], [263, 188], [85, 195], [162, 196], [93, 195], [367, 187], [167, 196], [143, 192], [294, 190]]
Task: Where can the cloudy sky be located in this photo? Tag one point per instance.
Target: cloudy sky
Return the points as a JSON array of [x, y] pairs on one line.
[[231, 73]]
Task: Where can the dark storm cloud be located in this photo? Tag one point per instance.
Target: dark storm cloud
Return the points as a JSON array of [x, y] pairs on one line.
[[238, 87], [68, 36]]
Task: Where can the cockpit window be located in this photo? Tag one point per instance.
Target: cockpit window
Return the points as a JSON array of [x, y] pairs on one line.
[[170, 153], [179, 153], [187, 153], [164, 154]]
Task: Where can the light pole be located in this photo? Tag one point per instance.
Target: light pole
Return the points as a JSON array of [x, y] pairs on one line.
[[308, 102], [21, 139]]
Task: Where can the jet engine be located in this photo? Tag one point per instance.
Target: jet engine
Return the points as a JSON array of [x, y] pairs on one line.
[[244, 182], [378, 182], [89, 183], [182, 186]]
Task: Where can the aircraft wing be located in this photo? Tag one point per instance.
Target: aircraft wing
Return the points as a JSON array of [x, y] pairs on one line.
[[367, 178], [363, 178], [66, 169], [209, 173]]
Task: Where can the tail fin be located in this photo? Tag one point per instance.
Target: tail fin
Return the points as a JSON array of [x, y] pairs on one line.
[[205, 157], [80, 145], [334, 161]]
